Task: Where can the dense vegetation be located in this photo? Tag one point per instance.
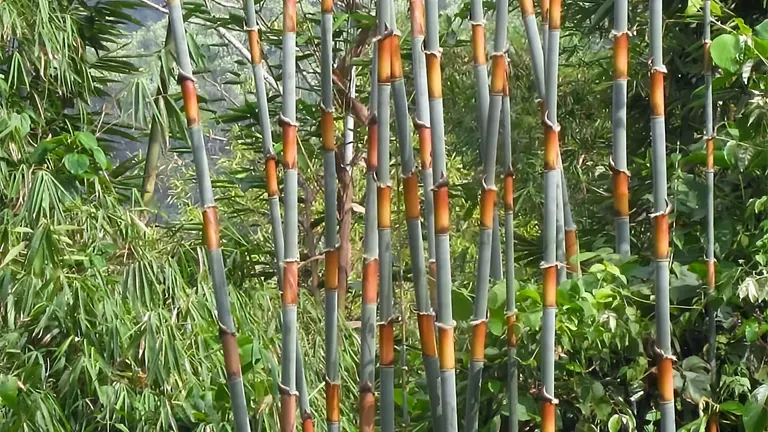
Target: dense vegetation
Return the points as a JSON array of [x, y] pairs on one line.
[[110, 300]]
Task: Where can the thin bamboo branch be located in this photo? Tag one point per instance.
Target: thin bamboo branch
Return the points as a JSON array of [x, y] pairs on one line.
[[445, 323], [227, 331], [660, 217]]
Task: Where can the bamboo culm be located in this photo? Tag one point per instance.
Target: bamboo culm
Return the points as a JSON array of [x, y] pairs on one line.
[[383, 193], [618, 165], [410, 181], [713, 422], [367, 397], [487, 215], [549, 231], [509, 251], [660, 217], [158, 134], [290, 297], [273, 193], [445, 323], [328, 138], [227, 332]]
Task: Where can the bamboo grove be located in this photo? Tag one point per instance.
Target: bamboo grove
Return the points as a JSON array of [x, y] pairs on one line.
[[427, 208]]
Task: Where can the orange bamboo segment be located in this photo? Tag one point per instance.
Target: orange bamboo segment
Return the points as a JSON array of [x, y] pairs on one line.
[[661, 236], [367, 410], [445, 348], [425, 147], [548, 422], [442, 218], [291, 283], [713, 425], [555, 9], [509, 192], [427, 334], [372, 157], [418, 28], [332, 395], [191, 108], [707, 57], [289, 16], [287, 411], [511, 330], [526, 6], [370, 277], [397, 62], [657, 93], [211, 228], [621, 56], [307, 425], [478, 340], [435, 83], [384, 197], [621, 193], [498, 73], [411, 192], [551, 148], [545, 11], [328, 131], [289, 146], [710, 154], [271, 176], [332, 269], [326, 6], [571, 245], [255, 46], [711, 274], [487, 206], [387, 343], [550, 286], [666, 387], [478, 43], [385, 59], [231, 353]]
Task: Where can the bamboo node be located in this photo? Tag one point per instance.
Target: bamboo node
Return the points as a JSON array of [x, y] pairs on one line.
[[372, 119], [418, 124], [247, 28], [660, 68], [438, 53], [446, 326], [325, 108], [664, 356], [665, 212], [554, 127], [285, 121], [542, 395], [183, 76], [285, 391], [615, 170], [477, 23], [366, 387], [224, 330]]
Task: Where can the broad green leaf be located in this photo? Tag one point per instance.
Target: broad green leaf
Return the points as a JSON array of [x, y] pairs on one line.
[[733, 406], [87, 140], [726, 50], [761, 30], [13, 253], [76, 163], [98, 154], [9, 389], [755, 412]]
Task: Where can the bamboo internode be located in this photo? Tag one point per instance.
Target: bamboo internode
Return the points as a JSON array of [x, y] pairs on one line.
[[619, 169], [227, 331], [660, 217]]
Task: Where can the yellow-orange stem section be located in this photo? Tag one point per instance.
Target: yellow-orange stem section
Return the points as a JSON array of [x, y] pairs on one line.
[[571, 248], [550, 286], [254, 43], [665, 382], [271, 176], [511, 330], [551, 148], [434, 75], [370, 281], [427, 334], [621, 56], [307, 425], [211, 228], [661, 237], [387, 343], [657, 93], [548, 423], [418, 28], [327, 131], [287, 411], [478, 340], [332, 395], [231, 353], [367, 410], [555, 9], [289, 146], [385, 59], [442, 218], [620, 193], [425, 146], [509, 192], [445, 351], [191, 108], [290, 283], [487, 205], [526, 7], [478, 43], [372, 158], [332, 269], [384, 196], [289, 16], [397, 62], [411, 192]]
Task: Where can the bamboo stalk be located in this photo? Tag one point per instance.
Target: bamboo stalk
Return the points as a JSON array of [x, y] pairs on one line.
[[288, 388], [509, 246], [445, 323], [410, 181], [273, 193], [620, 178], [328, 137], [713, 422], [487, 216], [367, 397], [660, 219], [549, 230], [227, 331], [383, 193]]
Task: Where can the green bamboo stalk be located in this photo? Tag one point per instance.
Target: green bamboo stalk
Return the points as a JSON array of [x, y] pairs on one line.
[[509, 245], [288, 384], [227, 331], [713, 423], [620, 177], [445, 323], [410, 180], [384, 192], [367, 398], [158, 134], [487, 216], [660, 217], [328, 135], [273, 193], [549, 230]]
